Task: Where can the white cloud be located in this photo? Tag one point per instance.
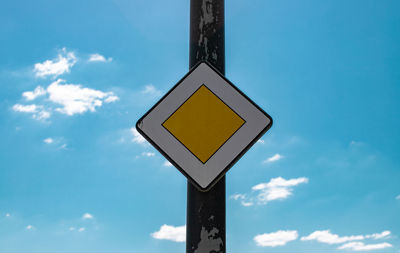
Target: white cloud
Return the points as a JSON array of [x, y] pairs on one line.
[[246, 203], [87, 216], [151, 90], [377, 236], [261, 141], [41, 115], [111, 99], [75, 99], [48, 140], [243, 199], [166, 232], [25, 108], [148, 154], [277, 188], [98, 58], [72, 229], [238, 196], [279, 238], [137, 137], [29, 227], [31, 95], [360, 246], [398, 197], [8, 215], [81, 229], [281, 182], [167, 164], [273, 158], [37, 111], [351, 242], [325, 236], [57, 66]]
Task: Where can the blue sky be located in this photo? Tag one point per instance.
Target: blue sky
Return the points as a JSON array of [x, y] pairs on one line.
[[75, 76]]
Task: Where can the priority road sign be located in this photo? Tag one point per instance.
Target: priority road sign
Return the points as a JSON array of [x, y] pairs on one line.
[[203, 125]]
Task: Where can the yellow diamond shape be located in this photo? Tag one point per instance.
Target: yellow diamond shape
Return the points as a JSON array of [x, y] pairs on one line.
[[203, 123]]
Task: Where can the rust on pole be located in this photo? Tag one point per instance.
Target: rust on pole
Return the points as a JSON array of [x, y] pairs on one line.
[[205, 226]]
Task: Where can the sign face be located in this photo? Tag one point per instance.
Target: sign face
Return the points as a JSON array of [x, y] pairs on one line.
[[203, 125]]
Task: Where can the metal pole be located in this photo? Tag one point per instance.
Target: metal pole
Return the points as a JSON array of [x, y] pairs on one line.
[[205, 225]]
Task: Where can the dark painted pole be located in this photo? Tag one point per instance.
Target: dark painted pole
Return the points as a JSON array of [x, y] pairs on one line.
[[205, 225]]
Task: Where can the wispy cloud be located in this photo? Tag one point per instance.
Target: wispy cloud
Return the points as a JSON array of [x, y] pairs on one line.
[[279, 238], [246, 203], [277, 188], [87, 216], [85, 222], [238, 196], [63, 147], [398, 197], [261, 141], [48, 140], [377, 236], [111, 99], [273, 158], [167, 164], [325, 236], [38, 112], [148, 154], [151, 90], [356, 143], [360, 246], [98, 58], [137, 137], [29, 227], [243, 199], [166, 232], [56, 67], [352, 242], [31, 95], [25, 108]]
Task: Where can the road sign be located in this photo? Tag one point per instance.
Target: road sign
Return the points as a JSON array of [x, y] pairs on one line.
[[203, 125]]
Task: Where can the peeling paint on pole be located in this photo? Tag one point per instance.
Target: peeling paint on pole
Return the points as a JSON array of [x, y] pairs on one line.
[[206, 23], [208, 32], [205, 229], [209, 241], [205, 226]]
